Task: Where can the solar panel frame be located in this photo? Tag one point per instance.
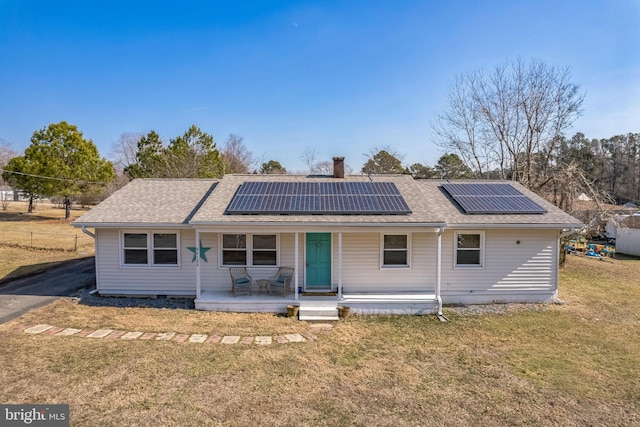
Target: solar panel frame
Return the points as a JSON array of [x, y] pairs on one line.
[[338, 198], [491, 198]]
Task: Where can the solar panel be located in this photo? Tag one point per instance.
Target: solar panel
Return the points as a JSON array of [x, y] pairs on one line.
[[338, 198], [492, 198]]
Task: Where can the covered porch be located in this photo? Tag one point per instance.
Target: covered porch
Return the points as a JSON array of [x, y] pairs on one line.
[[356, 275]]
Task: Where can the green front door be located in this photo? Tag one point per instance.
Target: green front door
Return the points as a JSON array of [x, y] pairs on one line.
[[318, 253]]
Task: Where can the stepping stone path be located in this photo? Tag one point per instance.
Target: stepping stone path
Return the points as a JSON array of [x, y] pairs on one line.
[[109, 334]]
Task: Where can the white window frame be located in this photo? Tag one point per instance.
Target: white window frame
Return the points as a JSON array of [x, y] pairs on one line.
[[222, 249], [249, 250], [407, 249], [456, 249], [150, 249], [253, 249]]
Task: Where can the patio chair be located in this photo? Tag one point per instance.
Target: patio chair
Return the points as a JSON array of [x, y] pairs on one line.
[[282, 279], [240, 280]]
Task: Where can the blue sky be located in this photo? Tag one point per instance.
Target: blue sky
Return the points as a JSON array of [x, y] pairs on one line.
[[342, 77]]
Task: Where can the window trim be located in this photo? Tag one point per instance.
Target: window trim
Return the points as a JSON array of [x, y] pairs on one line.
[[222, 249], [481, 248], [249, 250], [253, 249], [150, 249], [383, 250]]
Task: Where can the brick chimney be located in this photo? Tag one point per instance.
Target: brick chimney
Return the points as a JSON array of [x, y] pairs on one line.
[[338, 167]]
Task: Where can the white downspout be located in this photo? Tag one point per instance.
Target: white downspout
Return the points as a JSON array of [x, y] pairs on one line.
[[340, 265], [295, 268], [439, 273]]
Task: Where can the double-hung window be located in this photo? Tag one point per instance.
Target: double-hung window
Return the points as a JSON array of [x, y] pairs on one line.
[[234, 249], [395, 250], [165, 249], [135, 249], [469, 249], [150, 249], [264, 249], [246, 249]]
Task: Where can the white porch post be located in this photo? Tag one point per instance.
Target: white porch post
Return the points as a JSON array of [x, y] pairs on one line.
[[439, 268], [295, 267], [198, 285], [340, 265]]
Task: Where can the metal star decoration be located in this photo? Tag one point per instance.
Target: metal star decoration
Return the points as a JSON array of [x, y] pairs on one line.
[[203, 252]]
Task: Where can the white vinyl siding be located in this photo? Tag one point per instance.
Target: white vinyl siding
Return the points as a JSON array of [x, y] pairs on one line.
[[113, 278], [628, 241], [518, 265], [361, 270]]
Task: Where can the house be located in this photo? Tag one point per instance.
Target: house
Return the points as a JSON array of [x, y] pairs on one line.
[[628, 236], [9, 194], [378, 244]]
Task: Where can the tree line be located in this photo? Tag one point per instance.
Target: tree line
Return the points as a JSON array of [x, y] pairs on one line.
[[507, 123]]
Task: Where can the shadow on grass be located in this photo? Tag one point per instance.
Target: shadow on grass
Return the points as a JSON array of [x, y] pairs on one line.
[[26, 217], [625, 257]]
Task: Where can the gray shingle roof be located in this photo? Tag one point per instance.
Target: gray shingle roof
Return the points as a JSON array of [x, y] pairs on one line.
[[204, 201], [152, 201], [442, 202], [631, 222]]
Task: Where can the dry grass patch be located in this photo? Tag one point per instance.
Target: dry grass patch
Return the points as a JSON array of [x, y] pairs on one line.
[[570, 365], [31, 242], [69, 313]]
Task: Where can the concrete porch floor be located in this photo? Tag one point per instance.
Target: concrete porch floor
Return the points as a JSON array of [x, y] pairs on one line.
[[360, 303]]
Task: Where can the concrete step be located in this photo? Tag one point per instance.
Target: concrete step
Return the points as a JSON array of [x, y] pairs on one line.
[[318, 310], [315, 318]]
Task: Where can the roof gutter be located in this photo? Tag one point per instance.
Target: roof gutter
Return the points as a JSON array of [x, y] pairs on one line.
[[476, 225], [231, 224]]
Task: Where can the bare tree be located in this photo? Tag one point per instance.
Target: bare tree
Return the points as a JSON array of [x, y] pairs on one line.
[[510, 119], [236, 156], [310, 158], [324, 168], [123, 151]]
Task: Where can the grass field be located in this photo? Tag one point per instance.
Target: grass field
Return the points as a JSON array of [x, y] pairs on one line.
[[572, 365], [33, 242]]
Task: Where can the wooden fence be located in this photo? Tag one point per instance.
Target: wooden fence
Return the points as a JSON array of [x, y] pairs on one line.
[[41, 240]]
